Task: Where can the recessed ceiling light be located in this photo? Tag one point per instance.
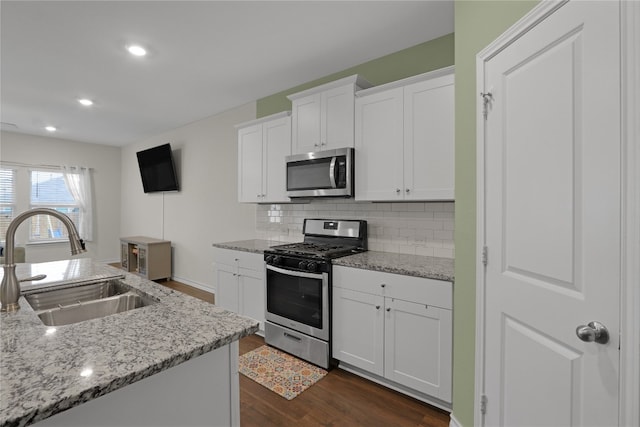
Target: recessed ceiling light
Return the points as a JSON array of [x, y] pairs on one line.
[[86, 102], [136, 50], [51, 128]]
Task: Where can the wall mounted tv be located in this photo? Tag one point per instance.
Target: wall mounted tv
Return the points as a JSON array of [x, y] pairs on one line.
[[157, 169]]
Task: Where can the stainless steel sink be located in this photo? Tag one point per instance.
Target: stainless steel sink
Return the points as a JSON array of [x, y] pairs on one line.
[[54, 298], [80, 303]]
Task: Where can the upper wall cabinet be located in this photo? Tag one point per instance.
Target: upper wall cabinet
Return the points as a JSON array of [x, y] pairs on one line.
[[404, 139], [323, 117], [263, 145]]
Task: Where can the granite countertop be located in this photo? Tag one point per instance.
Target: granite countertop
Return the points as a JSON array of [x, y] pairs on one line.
[[257, 246], [46, 370], [409, 265]]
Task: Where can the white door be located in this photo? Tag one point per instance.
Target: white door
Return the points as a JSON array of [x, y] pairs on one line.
[[552, 172]]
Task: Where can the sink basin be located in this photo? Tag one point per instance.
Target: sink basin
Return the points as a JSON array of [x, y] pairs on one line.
[[72, 305], [54, 298], [79, 312]]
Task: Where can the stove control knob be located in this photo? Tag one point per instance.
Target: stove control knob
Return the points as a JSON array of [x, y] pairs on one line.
[[276, 260], [302, 265], [312, 266], [269, 259]]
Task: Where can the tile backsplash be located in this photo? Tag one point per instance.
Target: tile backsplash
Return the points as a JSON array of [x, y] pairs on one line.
[[408, 228]]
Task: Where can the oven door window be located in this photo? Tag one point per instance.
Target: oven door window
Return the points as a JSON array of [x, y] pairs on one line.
[[295, 298]]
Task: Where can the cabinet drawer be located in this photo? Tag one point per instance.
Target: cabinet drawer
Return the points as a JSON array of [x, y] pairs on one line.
[[408, 288], [242, 259]]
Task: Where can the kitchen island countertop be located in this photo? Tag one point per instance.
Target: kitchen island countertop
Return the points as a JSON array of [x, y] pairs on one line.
[[46, 370]]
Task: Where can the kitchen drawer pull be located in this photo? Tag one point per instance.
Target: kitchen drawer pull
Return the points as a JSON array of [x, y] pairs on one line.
[[382, 285], [388, 308], [377, 307], [293, 337]]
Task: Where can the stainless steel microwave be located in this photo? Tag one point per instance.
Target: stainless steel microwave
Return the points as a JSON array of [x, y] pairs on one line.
[[320, 174]]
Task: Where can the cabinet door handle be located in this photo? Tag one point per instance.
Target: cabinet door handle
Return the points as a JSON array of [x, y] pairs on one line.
[[388, 308], [407, 190], [398, 191], [382, 285], [377, 307]]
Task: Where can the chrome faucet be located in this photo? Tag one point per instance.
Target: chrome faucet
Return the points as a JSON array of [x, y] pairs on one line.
[[10, 287]]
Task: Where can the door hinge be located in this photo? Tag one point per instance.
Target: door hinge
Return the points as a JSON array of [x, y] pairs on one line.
[[483, 404], [487, 98], [485, 256]]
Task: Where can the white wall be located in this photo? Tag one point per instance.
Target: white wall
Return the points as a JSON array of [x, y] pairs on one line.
[[206, 209], [105, 164]]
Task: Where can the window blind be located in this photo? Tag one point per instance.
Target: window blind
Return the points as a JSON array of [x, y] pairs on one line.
[[7, 199]]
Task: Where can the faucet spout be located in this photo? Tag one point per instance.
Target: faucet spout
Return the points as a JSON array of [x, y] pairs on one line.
[[10, 287]]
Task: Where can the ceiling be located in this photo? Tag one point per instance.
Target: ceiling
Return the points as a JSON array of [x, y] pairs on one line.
[[205, 57]]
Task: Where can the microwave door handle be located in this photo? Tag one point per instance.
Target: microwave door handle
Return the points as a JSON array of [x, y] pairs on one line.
[[332, 171]]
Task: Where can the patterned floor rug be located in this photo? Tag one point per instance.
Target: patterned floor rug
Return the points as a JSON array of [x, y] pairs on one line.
[[279, 372]]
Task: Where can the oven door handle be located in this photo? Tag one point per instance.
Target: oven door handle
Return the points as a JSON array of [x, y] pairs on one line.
[[295, 273]]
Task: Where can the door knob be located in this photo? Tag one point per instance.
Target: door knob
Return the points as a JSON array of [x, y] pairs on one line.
[[594, 331]]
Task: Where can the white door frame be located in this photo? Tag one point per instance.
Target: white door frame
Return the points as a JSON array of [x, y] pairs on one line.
[[630, 274]]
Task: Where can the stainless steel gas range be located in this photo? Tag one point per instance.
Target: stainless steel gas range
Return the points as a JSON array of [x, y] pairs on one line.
[[298, 287]]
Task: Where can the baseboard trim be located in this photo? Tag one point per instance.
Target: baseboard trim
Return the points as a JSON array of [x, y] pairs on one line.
[[453, 422], [397, 387], [191, 283]]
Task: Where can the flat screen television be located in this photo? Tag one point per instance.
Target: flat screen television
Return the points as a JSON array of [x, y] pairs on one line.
[[157, 169]]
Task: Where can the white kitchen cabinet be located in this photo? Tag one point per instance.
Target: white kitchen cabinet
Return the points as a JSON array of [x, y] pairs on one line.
[[323, 116], [418, 342], [239, 283], [358, 329], [263, 145], [397, 328], [404, 139]]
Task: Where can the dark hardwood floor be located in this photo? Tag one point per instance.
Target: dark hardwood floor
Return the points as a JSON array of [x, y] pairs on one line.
[[339, 399]]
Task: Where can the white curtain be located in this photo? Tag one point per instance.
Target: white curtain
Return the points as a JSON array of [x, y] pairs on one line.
[[78, 180]]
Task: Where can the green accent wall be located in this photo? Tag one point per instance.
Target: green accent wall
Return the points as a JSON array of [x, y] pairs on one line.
[[477, 24], [427, 56]]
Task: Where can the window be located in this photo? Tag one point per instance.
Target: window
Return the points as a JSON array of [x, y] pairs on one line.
[[49, 190], [7, 199]]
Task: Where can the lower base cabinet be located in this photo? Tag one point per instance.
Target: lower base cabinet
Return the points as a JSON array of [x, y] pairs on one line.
[[397, 328], [239, 283]]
